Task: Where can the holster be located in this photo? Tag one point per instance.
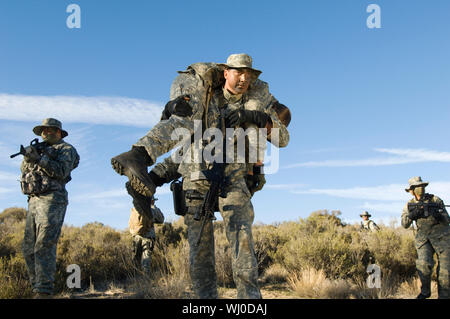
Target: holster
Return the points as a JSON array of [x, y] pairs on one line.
[[179, 201]]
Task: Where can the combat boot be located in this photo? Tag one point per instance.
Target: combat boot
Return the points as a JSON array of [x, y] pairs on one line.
[[141, 203], [134, 165], [42, 295], [422, 296]]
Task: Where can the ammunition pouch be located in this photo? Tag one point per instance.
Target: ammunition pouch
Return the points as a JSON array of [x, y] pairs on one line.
[[37, 183], [179, 201]]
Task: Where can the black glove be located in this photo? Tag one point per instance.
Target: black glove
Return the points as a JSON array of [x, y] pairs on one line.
[[238, 117], [255, 182], [179, 106], [32, 156], [159, 181], [414, 213]]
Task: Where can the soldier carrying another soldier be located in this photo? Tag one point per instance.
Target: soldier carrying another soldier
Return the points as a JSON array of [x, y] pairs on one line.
[[239, 101]]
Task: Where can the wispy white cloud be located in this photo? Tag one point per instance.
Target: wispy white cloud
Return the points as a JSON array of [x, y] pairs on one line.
[[80, 109], [9, 183], [417, 154], [113, 193], [389, 207], [284, 186], [118, 193], [4, 190], [390, 192], [381, 193], [8, 177], [403, 156]]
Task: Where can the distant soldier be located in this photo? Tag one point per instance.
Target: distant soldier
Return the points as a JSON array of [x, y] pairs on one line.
[[367, 224], [433, 236], [44, 173], [143, 216]]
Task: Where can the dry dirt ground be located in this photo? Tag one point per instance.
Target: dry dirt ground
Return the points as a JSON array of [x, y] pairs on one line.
[[268, 291]]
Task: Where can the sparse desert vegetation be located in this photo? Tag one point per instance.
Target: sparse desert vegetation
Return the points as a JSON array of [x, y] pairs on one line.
[[315, 257]]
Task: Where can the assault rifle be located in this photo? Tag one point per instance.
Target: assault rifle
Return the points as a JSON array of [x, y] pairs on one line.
[[216, 177], [26, 151], [424, 210]]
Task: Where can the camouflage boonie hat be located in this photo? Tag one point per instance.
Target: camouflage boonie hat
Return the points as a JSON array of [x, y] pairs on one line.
[[240, 61], [365, 214], [414, 182], [50, 122]]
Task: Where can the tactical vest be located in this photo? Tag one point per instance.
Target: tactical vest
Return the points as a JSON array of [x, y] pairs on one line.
[[35, 181], [425, 224]]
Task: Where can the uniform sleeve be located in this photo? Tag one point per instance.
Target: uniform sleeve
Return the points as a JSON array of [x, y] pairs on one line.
[[164, 136], [374, 226], [282, 133], [406, 222], [167, 170], [280, 136], [444, 213], [61, 166]]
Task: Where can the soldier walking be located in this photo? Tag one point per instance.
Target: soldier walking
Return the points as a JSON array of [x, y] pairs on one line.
[[433, 236], [367, 224], [44, 174], [239, 88]]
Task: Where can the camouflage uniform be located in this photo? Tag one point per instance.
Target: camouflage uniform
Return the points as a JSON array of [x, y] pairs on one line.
[[236, 208], [143, 231], [433, 236], [44, 183], [369, 225]]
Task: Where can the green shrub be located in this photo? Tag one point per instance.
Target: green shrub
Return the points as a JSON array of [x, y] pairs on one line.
[[321, 242]]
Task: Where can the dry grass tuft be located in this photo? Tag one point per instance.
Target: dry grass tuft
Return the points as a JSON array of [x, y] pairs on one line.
[[313, 284]]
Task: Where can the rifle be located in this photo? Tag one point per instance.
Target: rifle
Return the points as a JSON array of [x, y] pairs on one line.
[[424, 210], [216, 177], [25, 151]]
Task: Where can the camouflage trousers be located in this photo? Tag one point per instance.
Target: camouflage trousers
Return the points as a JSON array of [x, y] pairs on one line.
[[237, 213], [425, 263], [44, 220], [142, 250]]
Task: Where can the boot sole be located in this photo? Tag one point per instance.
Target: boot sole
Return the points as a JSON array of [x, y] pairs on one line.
[[136, 183]]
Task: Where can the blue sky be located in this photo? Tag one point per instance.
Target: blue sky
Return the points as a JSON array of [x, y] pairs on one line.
[[370, 107]]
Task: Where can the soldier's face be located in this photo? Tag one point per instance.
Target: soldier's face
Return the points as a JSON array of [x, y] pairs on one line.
[[237, 80], [365, 217], [51, 135], [419, 191]]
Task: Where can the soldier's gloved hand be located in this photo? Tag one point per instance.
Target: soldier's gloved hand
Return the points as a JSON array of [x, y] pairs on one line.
[[260, 182], [255, 182], [413, 214], [159, 181], [238, 117], [178, 106], [32, 156]]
